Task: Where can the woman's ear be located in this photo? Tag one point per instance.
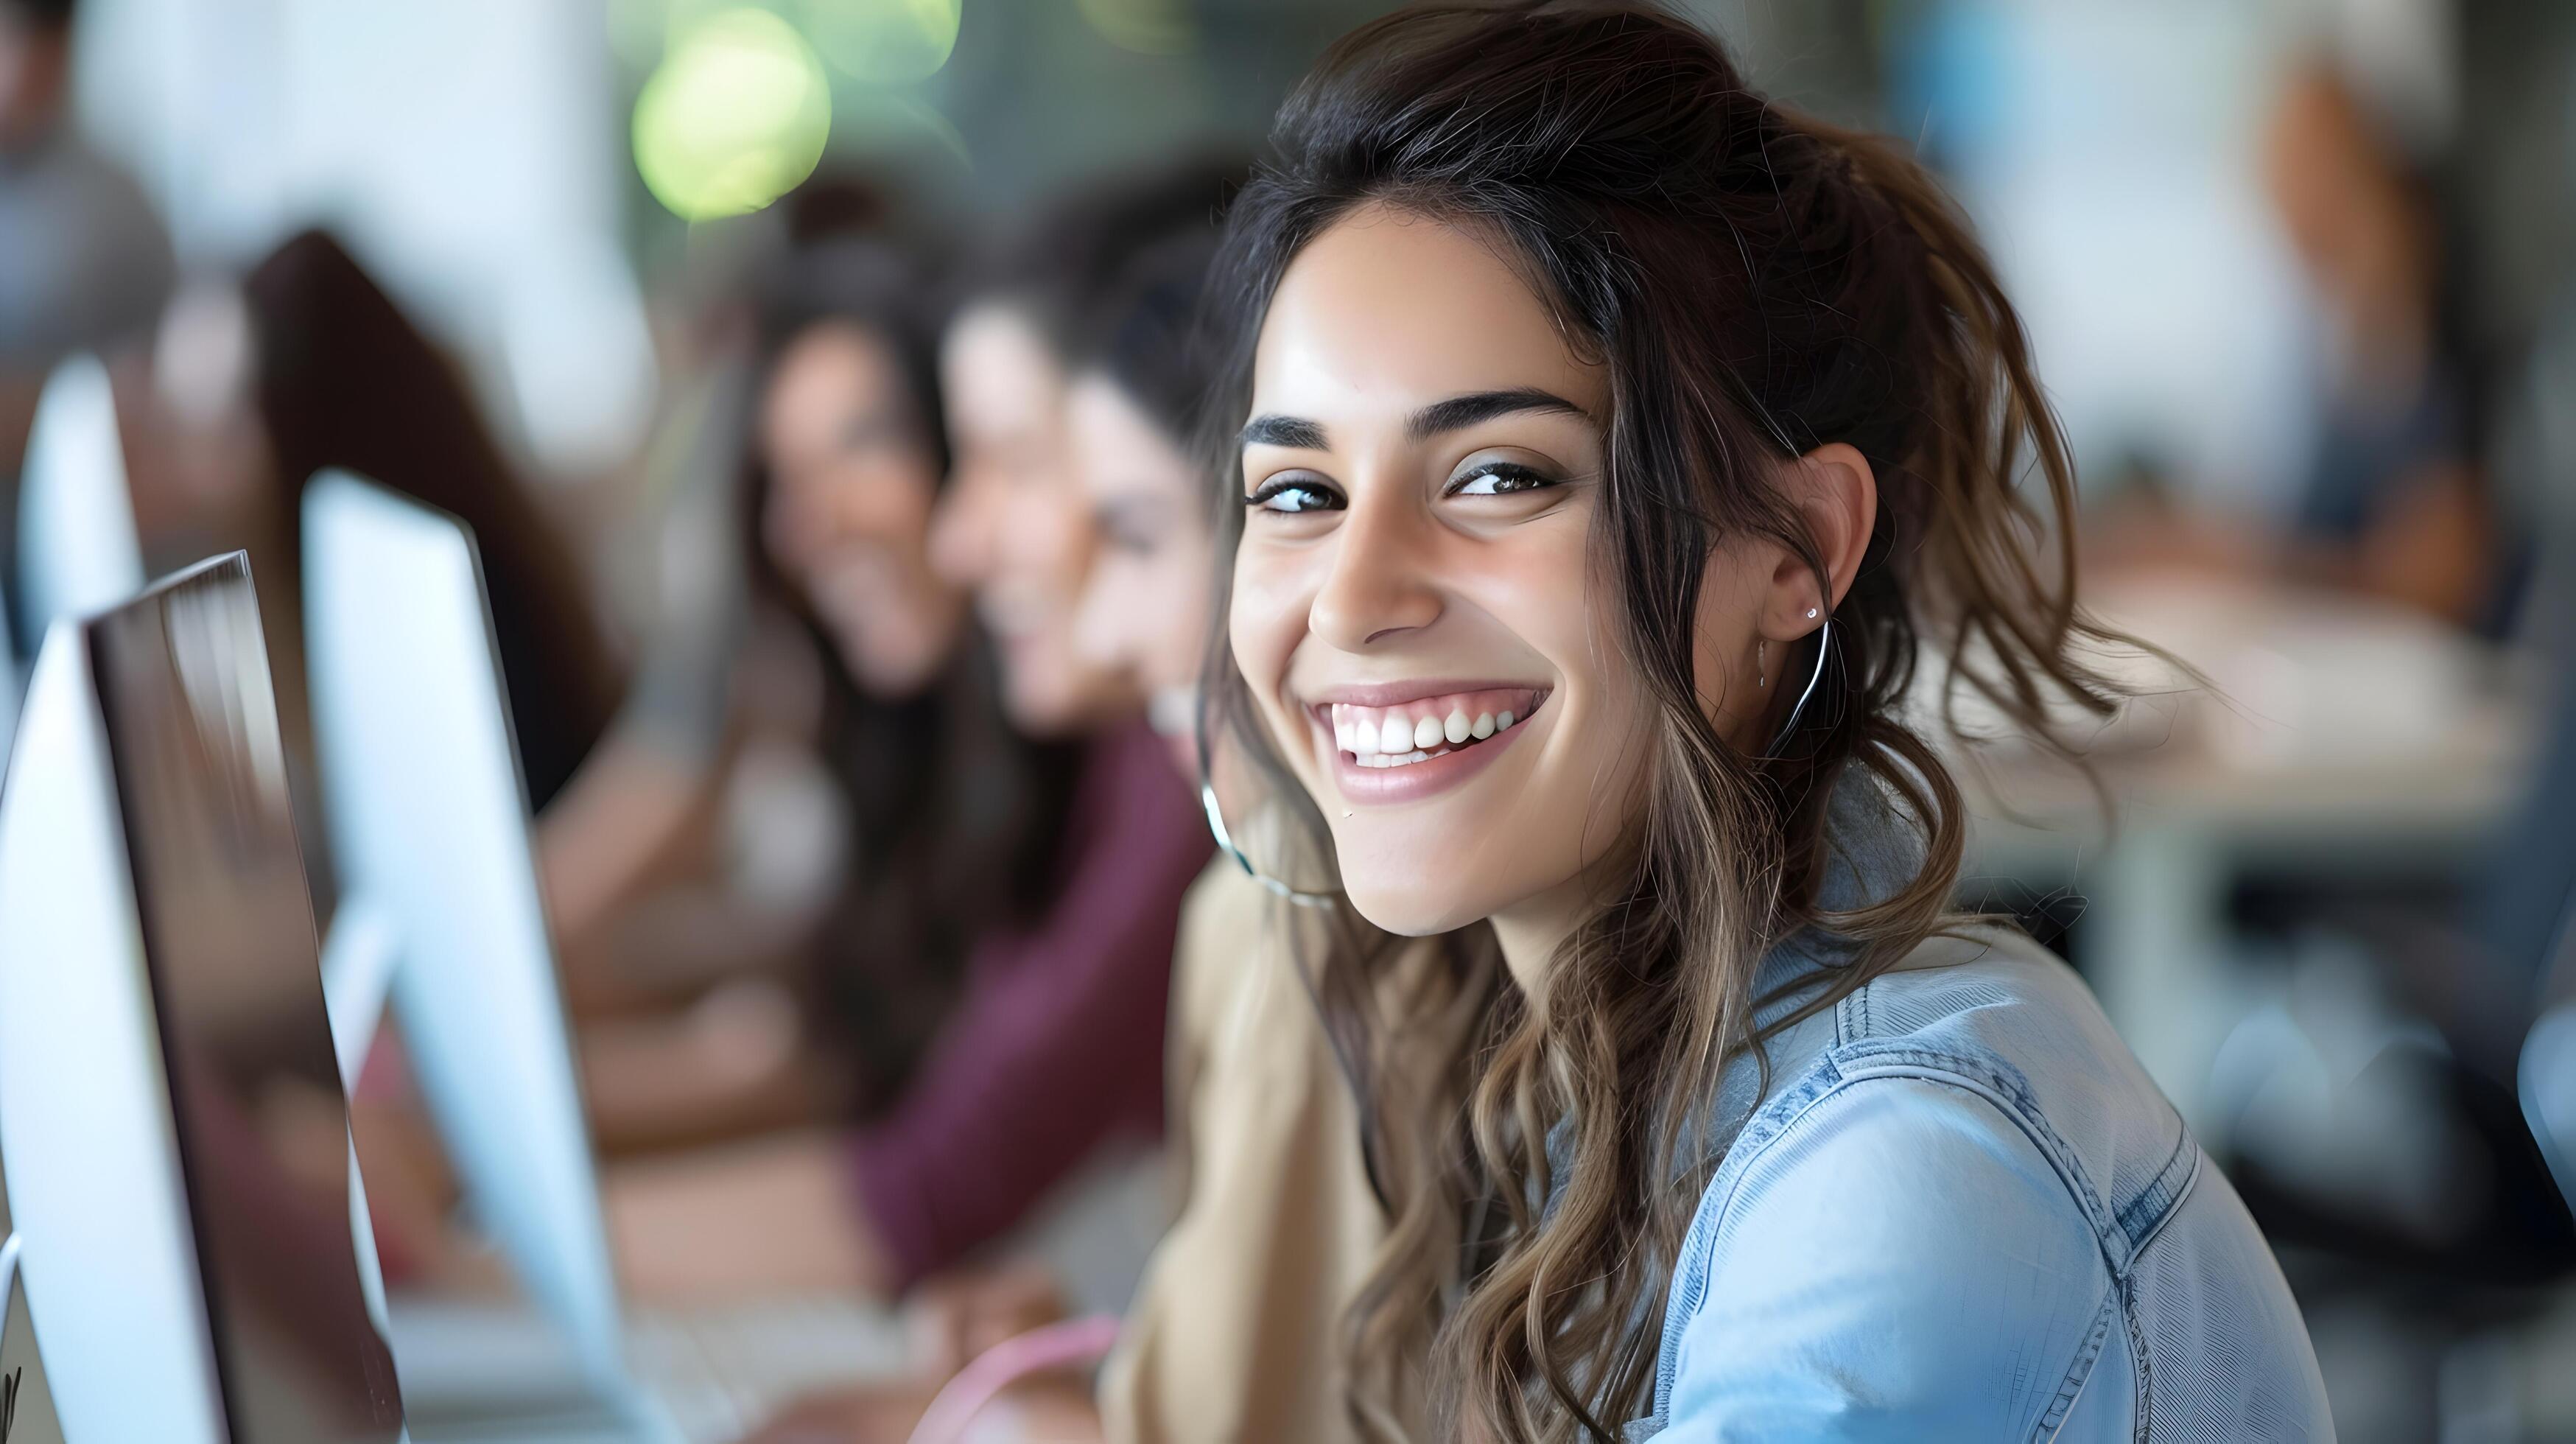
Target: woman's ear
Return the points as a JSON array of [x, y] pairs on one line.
[[1836, 493]]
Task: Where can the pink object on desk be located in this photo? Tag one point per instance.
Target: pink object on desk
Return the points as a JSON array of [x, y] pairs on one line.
[[1055, 1346]]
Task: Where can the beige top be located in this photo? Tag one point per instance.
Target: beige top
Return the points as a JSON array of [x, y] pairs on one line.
[[1234, 1335]]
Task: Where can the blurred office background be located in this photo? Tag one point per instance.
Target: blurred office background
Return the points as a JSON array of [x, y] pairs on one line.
[[2301, 275]]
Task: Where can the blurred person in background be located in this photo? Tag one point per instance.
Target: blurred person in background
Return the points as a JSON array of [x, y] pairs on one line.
[[2392, 504], [310, 365], [948, 822], [83, 258], [707, 835], [1055, 1044], [246, 393]]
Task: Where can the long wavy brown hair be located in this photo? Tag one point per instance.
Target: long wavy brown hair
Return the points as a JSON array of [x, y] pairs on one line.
[[1755, 284]]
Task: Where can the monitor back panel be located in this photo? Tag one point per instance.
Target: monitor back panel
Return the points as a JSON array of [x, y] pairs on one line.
[[227, 927], [429, 829]]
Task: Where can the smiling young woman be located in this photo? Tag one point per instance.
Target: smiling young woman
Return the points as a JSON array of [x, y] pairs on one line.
[[1607, 436]]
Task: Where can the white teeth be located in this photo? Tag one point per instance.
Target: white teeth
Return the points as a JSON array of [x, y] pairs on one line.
[[1368, 733], [1395, 759]]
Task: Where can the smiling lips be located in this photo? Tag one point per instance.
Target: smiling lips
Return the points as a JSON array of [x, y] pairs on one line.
[[1427, 727], [1422, 745]]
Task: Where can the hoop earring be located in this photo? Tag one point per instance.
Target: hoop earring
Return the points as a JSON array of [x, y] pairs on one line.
[[1824, 645], [1225, 838], [1225, 842]]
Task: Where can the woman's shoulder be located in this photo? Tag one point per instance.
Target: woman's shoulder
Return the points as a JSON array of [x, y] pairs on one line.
[[1983, 1016], [1940, 1214], [1978, 1039], [1899, 1229], [1894, 1248], [1983, 1010]]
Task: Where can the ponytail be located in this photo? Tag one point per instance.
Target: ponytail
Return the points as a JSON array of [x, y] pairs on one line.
[[1994, 568]]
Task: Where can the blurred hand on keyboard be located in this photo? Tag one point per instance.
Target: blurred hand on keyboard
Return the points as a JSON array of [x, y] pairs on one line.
[[959, 1315]]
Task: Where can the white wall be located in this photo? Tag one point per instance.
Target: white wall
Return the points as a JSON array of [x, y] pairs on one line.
[[471, 152]]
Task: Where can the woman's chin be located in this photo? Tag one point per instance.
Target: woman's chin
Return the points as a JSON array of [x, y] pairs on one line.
[[1417, 910]]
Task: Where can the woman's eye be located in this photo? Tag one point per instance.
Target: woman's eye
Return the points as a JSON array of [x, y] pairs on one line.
[[1499, 478], [1293, 494]]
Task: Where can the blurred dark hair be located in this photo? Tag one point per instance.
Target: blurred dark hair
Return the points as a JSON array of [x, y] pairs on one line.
[[1147, 334], [1062, 266], [839, 206], [1755, 284], [876, 288], [44, 14], [957, 819], [346, 380]]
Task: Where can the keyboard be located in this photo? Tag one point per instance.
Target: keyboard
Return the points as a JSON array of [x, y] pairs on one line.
[[721, 1372], [496, 1374]]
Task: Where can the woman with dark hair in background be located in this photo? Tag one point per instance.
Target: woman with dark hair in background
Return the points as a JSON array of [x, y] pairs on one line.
[[311, 365], [954, 819], [1053, 1048], [730, 1008], [1609, 437]]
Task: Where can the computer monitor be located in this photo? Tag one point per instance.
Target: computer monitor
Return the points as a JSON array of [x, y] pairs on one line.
[[429, 829], [8, 677], [170, 1106], [77, 551]]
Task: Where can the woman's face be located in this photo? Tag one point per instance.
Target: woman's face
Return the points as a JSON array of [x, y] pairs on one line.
[[1416, 608], [1016, 526], [1146, 608], [847, 519]]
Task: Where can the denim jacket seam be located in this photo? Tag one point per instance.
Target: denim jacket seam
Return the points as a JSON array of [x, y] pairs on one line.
[[1825, 1079], [1832, 1074], [2003, 1085], [2141, 1366], [2147, 1214], [2079, 1373]]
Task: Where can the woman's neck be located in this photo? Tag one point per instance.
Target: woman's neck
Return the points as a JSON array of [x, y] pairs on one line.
[[1530, 932]]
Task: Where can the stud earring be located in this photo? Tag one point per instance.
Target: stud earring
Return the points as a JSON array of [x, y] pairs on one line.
[[1811, 614]]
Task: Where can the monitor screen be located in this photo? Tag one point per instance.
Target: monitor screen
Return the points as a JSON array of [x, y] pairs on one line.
[[229, 939]]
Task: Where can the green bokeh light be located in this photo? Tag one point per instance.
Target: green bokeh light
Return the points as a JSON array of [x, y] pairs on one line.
[[733, 118], [884, 42], [1148, 27]]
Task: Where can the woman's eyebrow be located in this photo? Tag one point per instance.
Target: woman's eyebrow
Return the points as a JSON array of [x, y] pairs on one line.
[[1459, 412], [1295, 432]]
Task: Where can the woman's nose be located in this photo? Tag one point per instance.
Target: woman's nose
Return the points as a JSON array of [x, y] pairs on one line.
[[1380, 583]]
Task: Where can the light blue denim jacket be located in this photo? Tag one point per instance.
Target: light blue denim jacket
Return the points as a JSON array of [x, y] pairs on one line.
[[1961, 1210]]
